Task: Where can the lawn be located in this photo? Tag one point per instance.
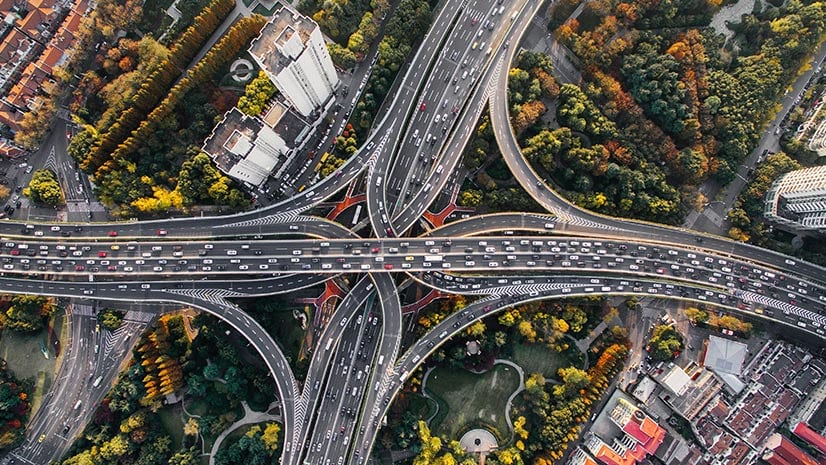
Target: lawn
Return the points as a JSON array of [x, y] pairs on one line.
[[538, 358], [471, 398], [22, 352], [170, 416]]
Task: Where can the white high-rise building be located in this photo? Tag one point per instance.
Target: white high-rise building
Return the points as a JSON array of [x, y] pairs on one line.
[[291, 50], [797, 200]]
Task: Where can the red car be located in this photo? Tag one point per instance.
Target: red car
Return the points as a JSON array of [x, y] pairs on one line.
[[113, 233], [388, 266], [14, 252], [422, 106], [375, 250], [102, 254]]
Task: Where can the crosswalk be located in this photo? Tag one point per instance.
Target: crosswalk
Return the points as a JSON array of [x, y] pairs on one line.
[[786, 308], [276, 218], [214, 296], [138, 317], [521, 289]]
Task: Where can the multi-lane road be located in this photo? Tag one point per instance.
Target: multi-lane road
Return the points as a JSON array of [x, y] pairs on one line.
[[408, 159]]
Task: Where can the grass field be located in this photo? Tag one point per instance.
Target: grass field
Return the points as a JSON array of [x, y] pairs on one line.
[[170, 416], [471, 398], [22, 353], [538, 358]]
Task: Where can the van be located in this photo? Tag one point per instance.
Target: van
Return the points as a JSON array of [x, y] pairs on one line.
[[378, 179]]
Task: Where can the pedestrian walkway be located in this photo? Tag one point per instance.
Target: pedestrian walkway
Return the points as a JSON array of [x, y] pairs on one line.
[[250, 417]]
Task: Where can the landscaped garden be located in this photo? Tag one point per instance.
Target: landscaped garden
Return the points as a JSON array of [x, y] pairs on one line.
[[471, 399]]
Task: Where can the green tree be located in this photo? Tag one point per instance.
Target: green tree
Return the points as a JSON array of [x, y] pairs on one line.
[[665, 342], [110, 319], [44, 188], [573, 379], [258, 92]]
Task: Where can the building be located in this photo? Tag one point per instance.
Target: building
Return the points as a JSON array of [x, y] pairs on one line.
[[248, 148], [811, 436], [37, 37], [292, 51], [688, 391], [781, 451], [580, 457], [725, 357], [797, 200]]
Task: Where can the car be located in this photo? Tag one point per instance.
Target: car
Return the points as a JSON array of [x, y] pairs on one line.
[[162, 232], [102, 254], [113, 234], [388, 266], [41, 438], [55, 228], [422, 106]]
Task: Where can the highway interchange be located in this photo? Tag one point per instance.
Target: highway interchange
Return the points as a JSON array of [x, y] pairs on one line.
[[334, 416]]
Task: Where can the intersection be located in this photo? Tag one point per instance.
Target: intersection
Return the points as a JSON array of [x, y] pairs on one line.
[[460, 68]]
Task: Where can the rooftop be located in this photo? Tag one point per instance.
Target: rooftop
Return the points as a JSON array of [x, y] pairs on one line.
[[781, 451], [804, 432], [281, 40], [725, 355]]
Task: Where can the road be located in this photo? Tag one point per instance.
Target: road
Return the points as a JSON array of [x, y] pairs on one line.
[[89, 367], [509, 258]]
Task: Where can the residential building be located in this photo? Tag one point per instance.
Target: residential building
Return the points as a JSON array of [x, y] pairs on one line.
[[292, 51], [37, 37], [811, 436], [797, 200], [248, 149], [781, 451]]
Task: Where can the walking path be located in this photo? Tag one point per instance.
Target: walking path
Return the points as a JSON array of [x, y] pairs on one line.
[[498, 361], [250, 417]]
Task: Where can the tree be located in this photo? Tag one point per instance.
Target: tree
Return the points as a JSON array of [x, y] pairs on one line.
[[110, 319], [573, 379], [35, 124], [270, 437], [258, 92], [191, 427], [44, 188], [696, 315], [470, 198], [665, 343], [27, 312]]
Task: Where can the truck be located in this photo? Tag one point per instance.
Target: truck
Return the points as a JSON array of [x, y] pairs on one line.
[[433, 258]]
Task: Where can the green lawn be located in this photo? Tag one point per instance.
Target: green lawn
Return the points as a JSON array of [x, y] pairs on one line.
[[170, 416], [471, 398], [25, 359], [538, 358]]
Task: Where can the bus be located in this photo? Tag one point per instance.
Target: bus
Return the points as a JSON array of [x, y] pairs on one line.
[[97, 381], [356, 214]]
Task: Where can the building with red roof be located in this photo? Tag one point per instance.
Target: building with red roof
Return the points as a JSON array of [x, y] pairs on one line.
[[639, 426], [804, 432], [781, 451]]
